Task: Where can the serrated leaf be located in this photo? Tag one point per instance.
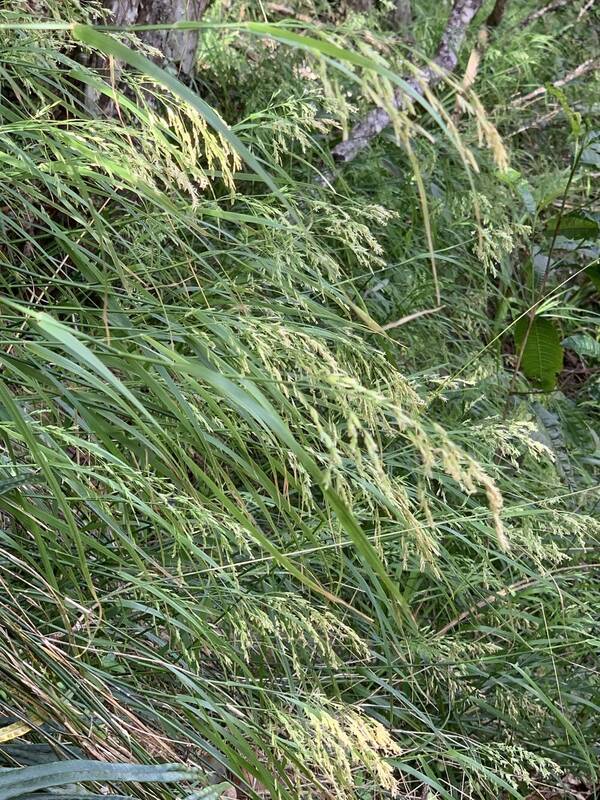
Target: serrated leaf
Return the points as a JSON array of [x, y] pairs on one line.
[[542, 357], [574, 226], [583, 344]]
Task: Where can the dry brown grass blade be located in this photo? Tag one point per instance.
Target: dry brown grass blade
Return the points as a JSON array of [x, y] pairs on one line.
[[410, 317], [477, 53], [17, 729], [472, 69]]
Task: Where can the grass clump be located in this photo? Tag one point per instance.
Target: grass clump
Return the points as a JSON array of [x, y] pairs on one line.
[[244, 525]]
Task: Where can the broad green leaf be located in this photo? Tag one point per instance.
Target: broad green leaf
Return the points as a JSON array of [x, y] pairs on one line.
[[591, 149], [24, 780], [61, 793], [542, 357], [593, 273], [574, 226], [583, 344]]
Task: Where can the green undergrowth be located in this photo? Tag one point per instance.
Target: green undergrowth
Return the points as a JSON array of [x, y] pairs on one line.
[[244, 523]]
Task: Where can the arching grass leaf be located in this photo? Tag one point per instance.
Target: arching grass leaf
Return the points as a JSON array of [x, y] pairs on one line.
[[112, 47]]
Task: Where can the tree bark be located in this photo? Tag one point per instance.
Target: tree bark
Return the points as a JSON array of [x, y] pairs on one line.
[[444, 63], [402, 14], [552, 6], [178, 47], [360, 5]]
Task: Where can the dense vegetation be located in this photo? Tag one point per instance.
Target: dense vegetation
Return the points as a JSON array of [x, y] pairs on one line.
[[258, 515]]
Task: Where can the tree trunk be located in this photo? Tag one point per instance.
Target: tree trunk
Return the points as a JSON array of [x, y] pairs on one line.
[[495, 17], [359, 5], [177, 47], [402, 14]]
